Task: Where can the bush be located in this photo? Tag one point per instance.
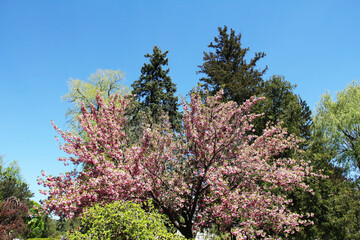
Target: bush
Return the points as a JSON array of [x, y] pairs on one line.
[[12, 214], [43, 239], [122, 220]]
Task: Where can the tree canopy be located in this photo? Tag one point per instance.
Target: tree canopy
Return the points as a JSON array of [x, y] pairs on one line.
[[12, 183], [12, 213], [155, 90], [105, 82], [122, 220], [216, 173], [281, 104], [337, 122], [227, 68], [233, 166], [335, 204]]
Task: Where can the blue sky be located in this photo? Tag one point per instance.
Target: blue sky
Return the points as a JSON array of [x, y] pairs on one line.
[[314, 44]]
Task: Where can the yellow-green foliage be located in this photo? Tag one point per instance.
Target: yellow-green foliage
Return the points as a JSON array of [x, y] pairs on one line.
[[105, 82], [122, 220], [42, 239], [338, 123]]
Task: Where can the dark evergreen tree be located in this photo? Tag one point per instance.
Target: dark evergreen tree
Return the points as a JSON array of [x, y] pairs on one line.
[[227, 68], [281, 104], [155, 91], [335, 203]]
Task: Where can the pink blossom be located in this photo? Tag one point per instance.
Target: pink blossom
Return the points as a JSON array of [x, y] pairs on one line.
[[215, 171]]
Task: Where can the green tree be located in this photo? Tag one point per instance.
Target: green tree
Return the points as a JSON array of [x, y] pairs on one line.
[[281, 104], [41, 225], [122, 220], [105, 82], [335, 202], [12, 184], [226, 67], [36, 222], [155, 90], [338, 124]]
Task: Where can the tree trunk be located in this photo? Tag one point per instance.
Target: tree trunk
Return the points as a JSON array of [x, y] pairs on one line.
[[187, 232]]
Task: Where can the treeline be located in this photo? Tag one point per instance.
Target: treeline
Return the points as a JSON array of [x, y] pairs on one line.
[[149, 111], [20, 216]]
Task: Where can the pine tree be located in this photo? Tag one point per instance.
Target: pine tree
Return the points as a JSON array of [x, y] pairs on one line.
[[281, 104], [155, 91], [227, 68]]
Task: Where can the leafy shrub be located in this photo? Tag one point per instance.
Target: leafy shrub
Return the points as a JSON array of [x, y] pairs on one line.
[[12, 212], [43, 239], [122, 220]]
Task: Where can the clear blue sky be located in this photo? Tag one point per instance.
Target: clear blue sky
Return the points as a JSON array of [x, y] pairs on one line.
[[314, 44]]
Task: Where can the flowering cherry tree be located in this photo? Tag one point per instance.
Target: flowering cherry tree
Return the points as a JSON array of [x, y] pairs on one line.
[[214, 172]]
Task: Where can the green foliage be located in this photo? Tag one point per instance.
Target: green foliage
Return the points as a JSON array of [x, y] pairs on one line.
[[227, 68], [281, 104], [37, 225], [41, 225], [43, 239], [105, 82], [35, 222], [335, 204], [122, 220], [336, 210], [155, 91], [12, 183], [338, 124], [14, 200], [63, 225]]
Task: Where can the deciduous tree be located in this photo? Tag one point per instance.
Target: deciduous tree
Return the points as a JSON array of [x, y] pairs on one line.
[[105, 82], [12, 184], [12, 213], [217, 172], [335, 204], [338, 124]]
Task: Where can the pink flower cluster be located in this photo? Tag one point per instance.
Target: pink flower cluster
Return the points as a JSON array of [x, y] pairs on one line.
[[215, 171]]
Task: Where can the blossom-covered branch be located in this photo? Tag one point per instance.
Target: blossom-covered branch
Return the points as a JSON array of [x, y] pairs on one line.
[[216, 171]]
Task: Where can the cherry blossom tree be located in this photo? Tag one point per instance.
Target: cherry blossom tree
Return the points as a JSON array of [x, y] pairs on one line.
[[214, 172]]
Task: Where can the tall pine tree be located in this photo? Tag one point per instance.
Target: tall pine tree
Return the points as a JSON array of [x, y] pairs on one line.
[[155, 91], [227, 68], [281, 104]]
